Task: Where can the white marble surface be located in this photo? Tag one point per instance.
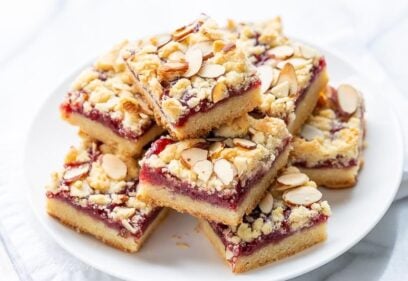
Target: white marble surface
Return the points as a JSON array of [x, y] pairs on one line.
[[44, 41]]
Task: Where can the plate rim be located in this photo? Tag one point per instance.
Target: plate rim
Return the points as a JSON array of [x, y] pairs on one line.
[[41, 215]]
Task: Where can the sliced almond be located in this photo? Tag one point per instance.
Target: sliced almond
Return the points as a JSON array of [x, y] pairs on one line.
[[281, 90], [211, 71], [266, 203], [265, 73], [297, 63], [171, 70], [162, 39], [194, 58], [203, 169], [224, 170], [228, 47], [288, 74], [244, 143], [348, 98], [310, 132], [182, 32], [296, 179], [176, 56], [304, 195], [219, 92], [114, 167], [190, 156], [282, 187], [216, 147], [307, 52], [205, 47], [281, 52], [76, 172]]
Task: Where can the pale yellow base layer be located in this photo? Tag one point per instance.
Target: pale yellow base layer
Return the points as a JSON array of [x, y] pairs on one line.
[[309, 101], [162, 196], [107, 136], [287, 247], [85, 223], [202, 122]]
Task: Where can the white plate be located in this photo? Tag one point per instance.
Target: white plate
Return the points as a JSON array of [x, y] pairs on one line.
[[355, 211]]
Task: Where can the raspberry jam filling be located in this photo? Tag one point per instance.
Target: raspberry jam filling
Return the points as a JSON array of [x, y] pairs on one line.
[[102, 215], [157, 176], [338, 163], [206, 105], [248, 248], [103, 118]]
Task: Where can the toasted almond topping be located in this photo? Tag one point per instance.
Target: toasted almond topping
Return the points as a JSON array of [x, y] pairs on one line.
[[310, 132], [114, 167], [76, 172], [219, 92], [348, 98], [194, 58], [203, 169], [296, 179], [181, 33], [205, 47], [211, 70], [265, 73], [224, 171], [307, 52], [282, 187], [170, 70], [297, 63], [244, 143], [176, 56], [190, 156], [304, 195], [281, 90], [162, 39], [288, 74], [281, 52], [228, 47], [266, 203], [216, 147]]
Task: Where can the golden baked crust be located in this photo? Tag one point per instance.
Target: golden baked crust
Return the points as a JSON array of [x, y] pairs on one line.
[[194, 69]]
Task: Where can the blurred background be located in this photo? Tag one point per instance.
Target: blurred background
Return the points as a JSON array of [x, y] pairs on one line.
[[44, 41]]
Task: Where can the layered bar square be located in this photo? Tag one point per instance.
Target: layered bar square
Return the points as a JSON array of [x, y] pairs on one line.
[[195, 78], [95, 193], [329, 147], [292, 74], [220, 177], [104, 103], [290, 218]]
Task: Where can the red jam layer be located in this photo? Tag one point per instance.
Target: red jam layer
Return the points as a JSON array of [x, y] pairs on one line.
[[103, 118], [206, 105], [157, 176], [248, 248], [337, 163], [102, 215]]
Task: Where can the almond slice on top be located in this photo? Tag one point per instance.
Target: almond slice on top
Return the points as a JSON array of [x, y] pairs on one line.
[[265, 73], [203, 169], [211, 71], [182, 32], [190, 156], [281, 52], [224, 170], [114, 167], [348, 98], [307, 52], [296, 179], [162, 39], [76, 172], [205, 47], [266, 203], [244, 143], [288, 74], [303, 195], [310, 132], [219, 92], [194, 58], [216, 147]]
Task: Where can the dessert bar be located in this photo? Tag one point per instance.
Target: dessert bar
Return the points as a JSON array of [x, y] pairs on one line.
[[220, 177], [290, 218], [329, 147], [95, 193], [104, 103], [292, 74], [195, 78]]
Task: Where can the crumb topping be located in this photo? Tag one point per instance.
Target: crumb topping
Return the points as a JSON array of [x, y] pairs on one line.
[[195, 64], [330, 133], [107, 88], [96, 177], [271, 52], [276, 215], [237, 151]]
